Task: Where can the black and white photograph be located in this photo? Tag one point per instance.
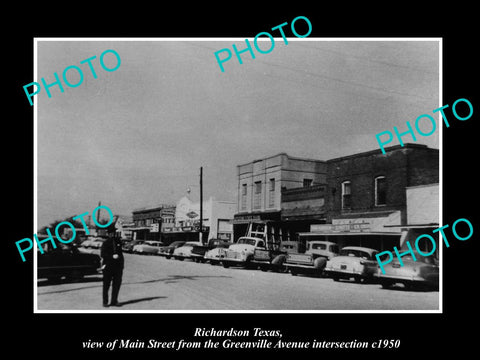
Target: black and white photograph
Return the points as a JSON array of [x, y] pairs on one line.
[[297, 195], [234, 182]]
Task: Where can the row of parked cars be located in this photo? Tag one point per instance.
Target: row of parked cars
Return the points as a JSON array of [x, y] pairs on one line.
[[318, 258]]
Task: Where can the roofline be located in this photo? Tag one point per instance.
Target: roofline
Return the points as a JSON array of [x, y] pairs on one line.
[[387, 149], [280, 154]]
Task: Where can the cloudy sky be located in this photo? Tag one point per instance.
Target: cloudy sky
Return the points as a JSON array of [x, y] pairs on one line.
[[137, 136]]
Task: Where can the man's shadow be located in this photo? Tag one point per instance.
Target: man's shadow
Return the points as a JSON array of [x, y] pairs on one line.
[[133, 301]]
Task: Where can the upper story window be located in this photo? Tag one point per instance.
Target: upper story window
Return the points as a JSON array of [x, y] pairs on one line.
[[257, 199], [244, 197], [346, 195], [380, 191], [271, 193]]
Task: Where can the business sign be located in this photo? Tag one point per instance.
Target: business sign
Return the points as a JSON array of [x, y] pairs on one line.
[[155, 227], [359, 225]]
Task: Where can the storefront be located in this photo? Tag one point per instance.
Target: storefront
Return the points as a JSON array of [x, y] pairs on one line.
[[365, 230]]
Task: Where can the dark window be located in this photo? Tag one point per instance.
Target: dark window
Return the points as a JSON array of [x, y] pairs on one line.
[[346, 195], [257, 199], [271, 195], [380, 191]]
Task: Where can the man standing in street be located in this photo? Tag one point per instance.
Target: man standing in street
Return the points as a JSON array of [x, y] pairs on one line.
[[112, 256]]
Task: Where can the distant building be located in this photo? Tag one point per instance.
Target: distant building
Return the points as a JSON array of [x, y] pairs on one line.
[[151, 221], [124, 226], [217, 220]]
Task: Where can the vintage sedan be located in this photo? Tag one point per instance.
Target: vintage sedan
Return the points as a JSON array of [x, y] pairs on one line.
[[354, 262], [167, 251], [127, 246], [97, 243], [65, 261], [148, 247], [215, 255], [199, 251], [185, 251], [241, 253], [422, 273], [87, 243]]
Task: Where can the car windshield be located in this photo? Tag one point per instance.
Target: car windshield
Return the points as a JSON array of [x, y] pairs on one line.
[[318, 246], [355, 253], [247, 241]]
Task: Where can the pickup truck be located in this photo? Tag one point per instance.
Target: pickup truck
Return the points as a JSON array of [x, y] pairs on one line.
[[313, 260], [273, 259], [241, 253]]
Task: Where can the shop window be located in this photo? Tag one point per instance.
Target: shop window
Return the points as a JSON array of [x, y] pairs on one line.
[[380, 191], [346, 195]]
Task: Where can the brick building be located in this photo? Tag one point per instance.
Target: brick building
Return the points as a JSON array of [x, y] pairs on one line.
[[360, 199], [366, 193]]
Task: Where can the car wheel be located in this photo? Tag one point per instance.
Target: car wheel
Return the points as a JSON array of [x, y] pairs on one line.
[[293, 272], [225, 264], [385, 284], [54, 279], [335, 278], [167, 256]]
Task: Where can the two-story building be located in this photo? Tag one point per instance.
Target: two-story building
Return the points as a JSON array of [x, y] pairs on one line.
[[261, 188], [366, 198], [359, 199]]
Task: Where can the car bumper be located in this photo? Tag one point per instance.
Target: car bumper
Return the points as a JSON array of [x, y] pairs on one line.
[[346, 273]]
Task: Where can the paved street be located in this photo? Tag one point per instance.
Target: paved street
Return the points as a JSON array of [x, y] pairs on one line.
[[155, 283]]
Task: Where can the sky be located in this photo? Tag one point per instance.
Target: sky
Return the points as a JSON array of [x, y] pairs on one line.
[[137, 136]]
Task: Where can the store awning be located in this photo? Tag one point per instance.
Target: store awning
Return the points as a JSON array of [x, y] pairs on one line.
[[336, 233]]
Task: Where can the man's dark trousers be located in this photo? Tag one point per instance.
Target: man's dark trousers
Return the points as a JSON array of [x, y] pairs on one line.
[[112, 274]]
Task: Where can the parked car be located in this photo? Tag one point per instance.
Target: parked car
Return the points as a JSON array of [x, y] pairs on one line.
[[148, 247], [87, 243], [185, 251], [128, 246], [423, 273], [97, 243], [273, 259], [199, 251], [241, 253], [315, 258], [167, 251], [353, 262], [65, 261], [215, 255]]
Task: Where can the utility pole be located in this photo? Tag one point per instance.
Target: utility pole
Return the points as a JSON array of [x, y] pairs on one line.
[[201, 204]]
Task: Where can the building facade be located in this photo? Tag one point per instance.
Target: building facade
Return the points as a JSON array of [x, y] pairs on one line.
[[150, 222], [366, 197], [261, 188], [216, 218], [360, 199]]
